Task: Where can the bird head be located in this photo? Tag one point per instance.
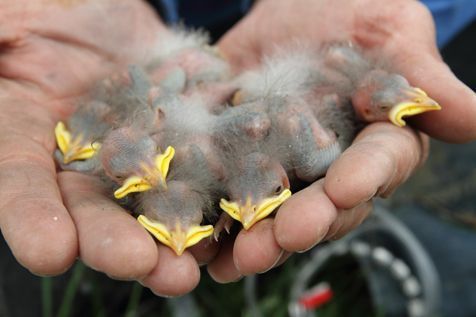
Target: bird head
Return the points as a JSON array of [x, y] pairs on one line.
[[134, 161], [258, 186], [74, 147], [80, 138], [174, 216], [389, 97]]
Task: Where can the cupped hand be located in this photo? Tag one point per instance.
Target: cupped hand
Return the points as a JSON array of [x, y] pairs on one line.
[[50, 53], [382, 156]]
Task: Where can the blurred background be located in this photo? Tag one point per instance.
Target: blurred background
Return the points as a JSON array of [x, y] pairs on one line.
[[415, 257]]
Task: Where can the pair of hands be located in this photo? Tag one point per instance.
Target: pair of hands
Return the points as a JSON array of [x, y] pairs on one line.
[[51, 52]]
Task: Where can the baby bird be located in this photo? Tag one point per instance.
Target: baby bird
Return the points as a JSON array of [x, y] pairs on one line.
[[133, 159], [138, 158], [256, 186], [376, 93], [111, 105], [255, 181], [269, 143], [87, 126], [174, 215]]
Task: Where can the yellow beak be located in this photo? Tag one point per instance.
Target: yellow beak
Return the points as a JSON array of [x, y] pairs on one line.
[[419, 102], [154, 176], [71, 148], [237, 98], [177, 239], [249, 214]]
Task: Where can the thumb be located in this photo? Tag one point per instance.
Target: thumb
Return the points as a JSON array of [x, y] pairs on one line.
[[240, 47]]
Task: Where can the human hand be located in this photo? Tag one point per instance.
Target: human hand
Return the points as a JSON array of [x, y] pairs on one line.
[[382, 156], [51, 52]]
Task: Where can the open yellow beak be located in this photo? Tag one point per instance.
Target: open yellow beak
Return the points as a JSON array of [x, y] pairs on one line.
[[177, 239], [249, 214], [71, 148], [153, 176], [419, 102]]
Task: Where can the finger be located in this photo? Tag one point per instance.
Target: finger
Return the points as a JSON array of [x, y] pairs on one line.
[[33, 220], [304, 219], [456, 122], [173, 275], [205, 251], [347, 220], [381, 157], [110, 240], [222, 268], [256, 250]]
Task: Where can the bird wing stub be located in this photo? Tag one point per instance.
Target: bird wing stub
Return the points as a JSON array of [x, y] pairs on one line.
[[178, 239], [418, 102], [249, 214], [73, 148]]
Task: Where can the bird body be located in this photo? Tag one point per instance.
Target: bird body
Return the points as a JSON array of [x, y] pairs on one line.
[[185, 63]]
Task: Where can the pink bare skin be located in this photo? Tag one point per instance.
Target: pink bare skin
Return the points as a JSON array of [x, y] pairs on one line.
[[50, 53], [383, 156]]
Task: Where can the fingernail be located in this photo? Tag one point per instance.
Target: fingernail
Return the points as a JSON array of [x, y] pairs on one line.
[[365, 200], [155, 293], [275, 262], [236, 279], [312, 246], [239, 278], [162, 295]]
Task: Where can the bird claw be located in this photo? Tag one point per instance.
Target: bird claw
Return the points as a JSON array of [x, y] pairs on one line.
[[224, 222]]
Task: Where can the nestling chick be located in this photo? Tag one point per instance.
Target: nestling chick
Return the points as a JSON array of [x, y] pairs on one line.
[[111, 105], [267, 143], [257, 186], [132, 159], [255, 182], [86, 128], [174, 214], [376, 93]]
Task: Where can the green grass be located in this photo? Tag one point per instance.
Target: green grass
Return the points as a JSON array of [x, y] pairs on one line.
[[89, 293]]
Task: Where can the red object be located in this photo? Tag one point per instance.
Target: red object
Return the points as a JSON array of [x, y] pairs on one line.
[[316, 296]]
